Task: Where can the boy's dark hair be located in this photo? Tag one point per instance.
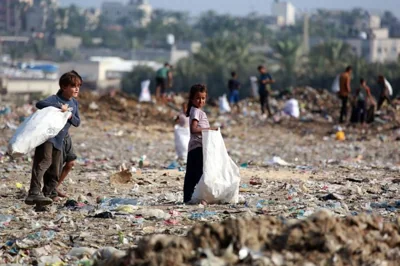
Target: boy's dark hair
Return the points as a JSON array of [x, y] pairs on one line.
[[233, 74], [348, 68], [166, 64], [193, 90], [362, 81], [76, 73], [71, 78], [260, 67]]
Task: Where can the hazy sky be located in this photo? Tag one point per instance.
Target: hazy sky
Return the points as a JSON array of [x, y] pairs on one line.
[[242, 7]]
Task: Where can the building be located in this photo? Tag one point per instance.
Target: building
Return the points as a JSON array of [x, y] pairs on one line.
[[136, 12], [39, 15], [105, 72], [11, 14], [284, 10], [67, 42], [92, 16]]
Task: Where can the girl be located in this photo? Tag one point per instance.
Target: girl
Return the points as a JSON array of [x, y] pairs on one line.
[[198, 122]]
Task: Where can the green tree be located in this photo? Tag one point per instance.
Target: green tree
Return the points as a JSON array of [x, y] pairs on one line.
[[288, 56]]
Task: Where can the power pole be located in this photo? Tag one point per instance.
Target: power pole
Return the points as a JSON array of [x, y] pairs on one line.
[[306, 34]]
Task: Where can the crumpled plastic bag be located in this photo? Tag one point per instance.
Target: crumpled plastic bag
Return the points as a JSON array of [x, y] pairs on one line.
[[41, 126]]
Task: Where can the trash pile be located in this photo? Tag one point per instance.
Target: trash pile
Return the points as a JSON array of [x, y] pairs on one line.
[[319, 240], [119, 107], [125, 192]]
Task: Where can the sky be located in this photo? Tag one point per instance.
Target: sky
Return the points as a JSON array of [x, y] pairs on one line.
[[243, 7]]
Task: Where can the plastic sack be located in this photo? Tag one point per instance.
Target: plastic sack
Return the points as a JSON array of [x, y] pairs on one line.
[[389, 86], [182, 137], [254, 86], [292, 108], [224, 106], [41, 126], [336, 85], [221, 178], [145, 95]]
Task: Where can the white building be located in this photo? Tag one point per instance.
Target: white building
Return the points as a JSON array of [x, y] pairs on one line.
[[115, 11], [285, 10], [105, 72], [375, 44]]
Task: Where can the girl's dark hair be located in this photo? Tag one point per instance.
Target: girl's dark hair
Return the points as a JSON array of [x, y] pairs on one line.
[[193, 90], [362, 81]]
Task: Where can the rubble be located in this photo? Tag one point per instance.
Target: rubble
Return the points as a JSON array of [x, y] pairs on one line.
[[127, 175]]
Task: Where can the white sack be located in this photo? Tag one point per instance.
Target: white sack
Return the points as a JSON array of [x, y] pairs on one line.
[[41, 126], [145, 95], [221, 177], [336, 85], [254, 86], [292, 108], [389, 86], [182, 137], [224, 106]]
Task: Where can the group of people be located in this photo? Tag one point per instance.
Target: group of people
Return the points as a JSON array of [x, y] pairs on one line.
[[362, 101]]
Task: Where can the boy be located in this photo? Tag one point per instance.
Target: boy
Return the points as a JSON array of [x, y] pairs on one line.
[[68, 153], [46, 162], [264, 82], [161, 80], [345, 90], [234, 86]]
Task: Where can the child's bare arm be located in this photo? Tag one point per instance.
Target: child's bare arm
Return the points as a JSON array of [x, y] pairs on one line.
[[197, 130]]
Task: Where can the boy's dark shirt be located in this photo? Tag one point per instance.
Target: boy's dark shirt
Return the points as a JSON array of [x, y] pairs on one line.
[[233, 84]]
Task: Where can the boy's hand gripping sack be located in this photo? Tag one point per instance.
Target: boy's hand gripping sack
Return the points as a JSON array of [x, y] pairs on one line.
[[221, 178], [41, 126]]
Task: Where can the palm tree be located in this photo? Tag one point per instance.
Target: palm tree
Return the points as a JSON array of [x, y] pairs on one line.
[[289, 58]]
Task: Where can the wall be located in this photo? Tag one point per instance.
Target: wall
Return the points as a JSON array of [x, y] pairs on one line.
[[66, 42], [26, 86], [88, 70]]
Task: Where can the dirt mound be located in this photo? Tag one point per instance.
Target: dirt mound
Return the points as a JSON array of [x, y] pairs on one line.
[[119, 107], [319, 240]]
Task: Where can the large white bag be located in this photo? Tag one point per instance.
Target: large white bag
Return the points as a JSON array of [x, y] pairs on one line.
[[182, 137], [292, 108], [224, 104], [221, 178], [41, 126], [336, 86], [254, 86], [389, 86], [145, 95]]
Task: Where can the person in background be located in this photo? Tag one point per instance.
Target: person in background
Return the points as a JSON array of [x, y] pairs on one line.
[[363, 99], [344, 92], [198, 122], [162, 80], [234, 86], [384, 94], [264, 82], [68, 153]]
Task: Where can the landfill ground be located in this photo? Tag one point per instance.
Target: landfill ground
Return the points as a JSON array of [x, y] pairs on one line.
[[290, 171]]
